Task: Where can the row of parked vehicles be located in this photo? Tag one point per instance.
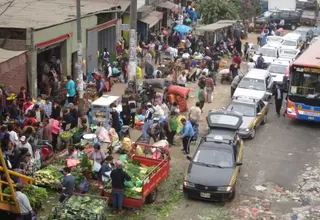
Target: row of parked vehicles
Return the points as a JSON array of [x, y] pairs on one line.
[[214, 168]]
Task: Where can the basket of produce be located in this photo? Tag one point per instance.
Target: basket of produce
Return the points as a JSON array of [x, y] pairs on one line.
[[133, 188], [66, 136], [36, 195], [82, 207]]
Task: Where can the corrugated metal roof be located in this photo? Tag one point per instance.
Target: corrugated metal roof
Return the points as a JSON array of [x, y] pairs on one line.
[[152, 18], [216, 26], [168, 5], [44, 13], [6, 55]]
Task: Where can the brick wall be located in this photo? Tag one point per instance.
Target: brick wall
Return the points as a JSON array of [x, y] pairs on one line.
[[16, 78], [12, 44]]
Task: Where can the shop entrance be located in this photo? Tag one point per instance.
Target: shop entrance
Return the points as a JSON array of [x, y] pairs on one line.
[[49, 67]]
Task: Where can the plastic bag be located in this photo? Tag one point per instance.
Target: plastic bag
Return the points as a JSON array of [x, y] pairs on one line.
[[139, 151], [123, 157], [96, 166], [126, 144], [84, 186], [128, 184], [116, 148], [72, 162]]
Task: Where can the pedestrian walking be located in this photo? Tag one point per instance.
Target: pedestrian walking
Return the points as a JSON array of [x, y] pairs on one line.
[[209, 88], [68, 183], [172, 127], [148, 120], [201, 97], [187, 133], [235, 83], [278, 97]]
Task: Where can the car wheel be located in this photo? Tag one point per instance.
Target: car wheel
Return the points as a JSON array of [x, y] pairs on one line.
[[151, 198], [293, 26], [253, 133], [264, 119], [233, 195]]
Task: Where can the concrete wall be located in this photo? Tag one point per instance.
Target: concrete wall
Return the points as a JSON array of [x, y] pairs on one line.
[[13, 44], [71, 43]]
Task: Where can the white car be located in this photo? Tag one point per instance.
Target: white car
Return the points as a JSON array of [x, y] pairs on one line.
[[292, 41], [257, 83], [278, 69], [269, 54], [274, 40], [287, 53]]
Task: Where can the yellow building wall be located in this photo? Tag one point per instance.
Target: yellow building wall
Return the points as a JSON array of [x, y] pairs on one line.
[[71, 43], [126, 20]]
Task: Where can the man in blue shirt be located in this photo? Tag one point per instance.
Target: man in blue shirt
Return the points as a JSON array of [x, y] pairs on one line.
[[71, 87], [187, 133], [315, 30]]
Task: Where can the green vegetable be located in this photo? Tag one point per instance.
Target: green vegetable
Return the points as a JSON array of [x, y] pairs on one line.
[[85, 163], [82, 208], [49, 176], [36, 195]]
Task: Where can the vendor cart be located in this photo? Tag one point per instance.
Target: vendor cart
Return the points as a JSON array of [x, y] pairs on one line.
[[151, 180], [101, 109]]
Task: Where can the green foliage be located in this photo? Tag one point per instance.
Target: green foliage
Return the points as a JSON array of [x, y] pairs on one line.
[[36, 195], [212, 11]]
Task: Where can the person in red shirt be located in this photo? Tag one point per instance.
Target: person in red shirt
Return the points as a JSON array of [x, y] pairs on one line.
[[237, 59], [27, 104]]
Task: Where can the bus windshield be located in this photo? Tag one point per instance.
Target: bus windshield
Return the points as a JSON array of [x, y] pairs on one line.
[[305, 84]]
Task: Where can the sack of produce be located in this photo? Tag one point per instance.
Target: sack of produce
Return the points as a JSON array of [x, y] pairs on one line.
[[126, 144]]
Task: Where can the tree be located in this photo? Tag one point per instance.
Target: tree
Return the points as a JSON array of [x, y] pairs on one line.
[[212, 11]]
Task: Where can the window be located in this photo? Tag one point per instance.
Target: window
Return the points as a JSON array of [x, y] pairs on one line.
[[290, 43], [214, 156], [294, 14], [261, 104], [268, 80], [245, 109], [285, 15], [279, 69], [224, 119], [275, 14], [254, 84], [258, 109]]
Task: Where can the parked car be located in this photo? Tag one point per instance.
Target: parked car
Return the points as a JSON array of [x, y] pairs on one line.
[[269, 53], [305, 32], [309, 18], [213, 170], [291, 18], [278, 68], [257, 83], [254, 112]]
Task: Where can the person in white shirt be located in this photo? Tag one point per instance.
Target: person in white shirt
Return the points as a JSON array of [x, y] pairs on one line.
[[13, 135], [24, 203], [251, 64], [25, 144], [185, 55], [182, 79], [281, 23], [195, 114]]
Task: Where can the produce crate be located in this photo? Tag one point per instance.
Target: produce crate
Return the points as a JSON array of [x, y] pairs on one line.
[[82, 207]]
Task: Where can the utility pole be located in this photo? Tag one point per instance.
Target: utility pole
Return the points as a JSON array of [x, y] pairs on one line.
[[133, 44], [79, 53]]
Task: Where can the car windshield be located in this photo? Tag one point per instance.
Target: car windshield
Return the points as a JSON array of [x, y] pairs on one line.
[[267, 14], [245, 109], [290, 43], [275, 39], [301, 32], [214, 157], [255, 84], [267, 52], [305, 84], [288, 53], [281, 69]]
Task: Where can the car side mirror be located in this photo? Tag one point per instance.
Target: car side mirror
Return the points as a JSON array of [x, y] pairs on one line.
[[268, 93], [259, 114], [238, 164], [189, 158]]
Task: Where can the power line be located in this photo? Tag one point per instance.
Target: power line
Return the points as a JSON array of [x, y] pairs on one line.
[[7, 7]]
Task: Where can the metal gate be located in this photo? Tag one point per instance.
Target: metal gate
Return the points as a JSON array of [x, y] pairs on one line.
[[92, 49], [107, 39]]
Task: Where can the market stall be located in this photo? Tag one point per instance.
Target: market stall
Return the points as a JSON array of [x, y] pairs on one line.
[[101, 109], [148, 167]]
